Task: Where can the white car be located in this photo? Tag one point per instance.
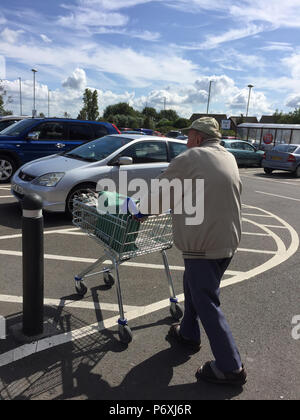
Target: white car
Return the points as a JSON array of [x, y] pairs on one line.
[[58, 179]]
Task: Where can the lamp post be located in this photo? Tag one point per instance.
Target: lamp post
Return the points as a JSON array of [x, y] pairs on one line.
[[34, 110], [208, 99], [20, 85], [49, 102], [250, 87]]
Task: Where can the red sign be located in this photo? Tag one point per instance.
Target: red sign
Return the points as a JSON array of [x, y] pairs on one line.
[[268, 138]]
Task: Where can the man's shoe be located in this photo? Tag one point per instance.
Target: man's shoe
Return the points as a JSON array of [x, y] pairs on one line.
[[210, 373], [174, 332]]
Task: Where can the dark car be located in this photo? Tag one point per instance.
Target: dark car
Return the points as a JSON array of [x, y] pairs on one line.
[[174, 134], [284, 157], [35, 138], [244, 152]]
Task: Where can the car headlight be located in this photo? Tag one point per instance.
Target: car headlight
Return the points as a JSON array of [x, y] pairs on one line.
[[49, 180]]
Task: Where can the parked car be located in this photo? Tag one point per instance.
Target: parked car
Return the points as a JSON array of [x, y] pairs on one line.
[[284, 157], [173, 134], [58, 179], [133, 132], [33, 138], [9, 120], [244, 152]]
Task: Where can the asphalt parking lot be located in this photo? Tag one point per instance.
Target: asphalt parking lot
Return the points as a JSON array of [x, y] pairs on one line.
[[84, 359]]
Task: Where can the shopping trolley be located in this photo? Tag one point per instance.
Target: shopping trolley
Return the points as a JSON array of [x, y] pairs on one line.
[[123, 238]]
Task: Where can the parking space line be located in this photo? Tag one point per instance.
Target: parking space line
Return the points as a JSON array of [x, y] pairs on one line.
[[295, 183], [256, 234], [279, 196], [276, 226], [71, 303]]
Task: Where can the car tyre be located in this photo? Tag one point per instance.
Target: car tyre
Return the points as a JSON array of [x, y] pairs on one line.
[[297, 172], [268, 171], [75, 193], [7, 168]]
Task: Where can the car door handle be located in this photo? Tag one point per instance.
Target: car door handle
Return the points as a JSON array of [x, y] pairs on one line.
[[60, 145]]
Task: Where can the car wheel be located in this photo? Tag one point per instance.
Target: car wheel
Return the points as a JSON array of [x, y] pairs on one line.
[[7, 168], [268, 171], [76, 192], [297, 172]]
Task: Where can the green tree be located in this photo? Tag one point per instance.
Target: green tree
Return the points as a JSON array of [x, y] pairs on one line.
[[90, 110], [121, 108], [181, 123], [168, 114], [150, 112], [3, 111]]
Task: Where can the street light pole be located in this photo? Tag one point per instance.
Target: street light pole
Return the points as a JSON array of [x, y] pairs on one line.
[[49, 102], [208, 99], [250, 87], [34, 110], [20, 84]]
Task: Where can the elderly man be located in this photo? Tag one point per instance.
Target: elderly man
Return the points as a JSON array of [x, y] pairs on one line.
[[208, 248]]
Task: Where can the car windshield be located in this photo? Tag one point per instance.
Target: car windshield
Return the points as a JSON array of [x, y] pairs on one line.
[[285, 148], [17, 128], [98, 149]]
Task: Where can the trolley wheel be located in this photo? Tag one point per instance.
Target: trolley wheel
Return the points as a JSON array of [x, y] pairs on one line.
[[81, 288], [108, 279], [176, 311], [125, 334]]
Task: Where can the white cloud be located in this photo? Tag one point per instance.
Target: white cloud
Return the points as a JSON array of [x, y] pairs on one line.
[[293, 101], [77, 81], [10, 36], [46, 39]]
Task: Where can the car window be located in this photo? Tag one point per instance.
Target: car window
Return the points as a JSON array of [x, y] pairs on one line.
[[4, 124], [99, 149], [176, 149], [99, 130], [234, 146], [18, 128], [287, 148], [50, 131], [147, 152], [80, 132], [247, 147]]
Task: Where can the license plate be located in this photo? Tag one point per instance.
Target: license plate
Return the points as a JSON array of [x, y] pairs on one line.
[[276, 158], [17, 188]]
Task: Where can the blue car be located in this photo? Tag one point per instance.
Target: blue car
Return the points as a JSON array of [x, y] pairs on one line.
[[35, 138], [284, 157]]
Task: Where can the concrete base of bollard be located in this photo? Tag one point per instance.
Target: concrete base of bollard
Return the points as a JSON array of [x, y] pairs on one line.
[[48, 331]]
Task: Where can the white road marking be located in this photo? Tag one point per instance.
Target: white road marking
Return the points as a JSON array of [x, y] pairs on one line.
[[295, 183], [256, 215], [7, 196], [281, 255], [71, 303], [279, 196], [256, 234]]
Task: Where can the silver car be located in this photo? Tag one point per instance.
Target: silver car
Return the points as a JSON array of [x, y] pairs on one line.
[[285, 157], [58, 179]]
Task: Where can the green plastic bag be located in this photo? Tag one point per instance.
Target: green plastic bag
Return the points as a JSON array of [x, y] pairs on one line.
[[113, 227]]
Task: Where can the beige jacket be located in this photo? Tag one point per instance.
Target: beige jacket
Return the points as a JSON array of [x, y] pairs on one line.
[[219, 234]]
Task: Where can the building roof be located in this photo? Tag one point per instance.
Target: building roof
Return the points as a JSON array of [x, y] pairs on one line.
[[267, 119]]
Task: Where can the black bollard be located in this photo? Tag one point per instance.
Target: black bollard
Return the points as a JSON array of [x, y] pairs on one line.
[[33, 265]]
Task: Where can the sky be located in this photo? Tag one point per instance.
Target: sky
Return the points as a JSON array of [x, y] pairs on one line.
[[158, 53]]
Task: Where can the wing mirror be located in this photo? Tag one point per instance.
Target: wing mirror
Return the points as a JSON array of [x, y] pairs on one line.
[[34, 135], [122, 160]]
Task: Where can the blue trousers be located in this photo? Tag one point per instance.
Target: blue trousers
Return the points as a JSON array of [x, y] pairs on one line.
[[201, 290]]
